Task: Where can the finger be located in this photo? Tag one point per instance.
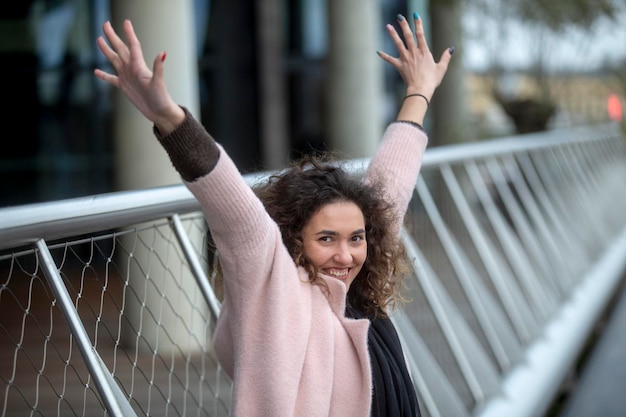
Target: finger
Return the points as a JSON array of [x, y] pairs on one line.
[[108, 52], [157, 65], [407, 33], [446, 56], [116, 43], [387, 58], [444, 61], [136, 54], [419, 33], [105, 76], [395, 38]]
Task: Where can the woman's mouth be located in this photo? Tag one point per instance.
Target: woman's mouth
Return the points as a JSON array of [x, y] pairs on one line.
[[338, 273]]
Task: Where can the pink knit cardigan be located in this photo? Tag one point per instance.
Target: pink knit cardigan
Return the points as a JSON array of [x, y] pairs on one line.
[[289, 348]]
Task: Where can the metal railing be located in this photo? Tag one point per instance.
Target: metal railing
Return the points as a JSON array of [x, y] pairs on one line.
[[108, 303]]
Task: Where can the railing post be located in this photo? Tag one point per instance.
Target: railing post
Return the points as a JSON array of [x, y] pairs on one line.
[[196, 266], [114, 400]]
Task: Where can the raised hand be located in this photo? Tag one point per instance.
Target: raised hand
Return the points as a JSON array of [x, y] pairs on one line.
[[144, 88], [415, 62]]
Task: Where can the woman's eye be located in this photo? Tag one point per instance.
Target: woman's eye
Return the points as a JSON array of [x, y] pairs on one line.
[[325, 239], [358, 238]]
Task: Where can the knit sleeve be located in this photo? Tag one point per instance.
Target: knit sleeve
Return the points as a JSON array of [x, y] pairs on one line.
[[192, 150], [397, 162]]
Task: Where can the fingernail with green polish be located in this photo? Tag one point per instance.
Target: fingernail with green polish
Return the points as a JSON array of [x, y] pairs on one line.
[[416, 16], [400, 17]]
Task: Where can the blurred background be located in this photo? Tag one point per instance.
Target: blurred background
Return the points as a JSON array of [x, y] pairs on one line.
[[274, 79]]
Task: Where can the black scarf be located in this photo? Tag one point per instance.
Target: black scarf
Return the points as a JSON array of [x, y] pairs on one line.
[[393, 391]]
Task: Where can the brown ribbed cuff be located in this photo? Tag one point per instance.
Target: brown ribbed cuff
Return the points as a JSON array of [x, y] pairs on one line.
[[192, 151]]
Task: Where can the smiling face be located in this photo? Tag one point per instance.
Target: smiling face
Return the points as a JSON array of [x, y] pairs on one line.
[[334, 240]]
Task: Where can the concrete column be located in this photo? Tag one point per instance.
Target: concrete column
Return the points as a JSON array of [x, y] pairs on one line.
[[355, 98], [272, 84], [161, 25], [448, 109], [162, 304]]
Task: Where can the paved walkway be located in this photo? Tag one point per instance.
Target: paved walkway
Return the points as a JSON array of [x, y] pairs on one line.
[[601, 389]]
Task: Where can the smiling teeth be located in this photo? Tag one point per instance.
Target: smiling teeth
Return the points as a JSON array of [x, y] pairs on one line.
[[338, 273]]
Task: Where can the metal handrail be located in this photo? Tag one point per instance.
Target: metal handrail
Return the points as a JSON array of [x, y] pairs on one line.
[[534, 306]]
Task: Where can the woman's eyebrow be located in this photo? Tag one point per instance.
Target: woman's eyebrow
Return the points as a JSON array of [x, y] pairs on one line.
[[334, 233], [326, 232]]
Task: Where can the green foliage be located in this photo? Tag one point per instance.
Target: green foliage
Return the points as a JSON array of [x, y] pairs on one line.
[[555, 15], [560, 14]]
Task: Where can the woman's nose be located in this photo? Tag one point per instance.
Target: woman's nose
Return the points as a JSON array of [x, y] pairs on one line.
[[343, 254]]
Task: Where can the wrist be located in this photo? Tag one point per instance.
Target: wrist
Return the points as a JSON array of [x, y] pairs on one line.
[[418, 96], [170, 119], [426, 92]]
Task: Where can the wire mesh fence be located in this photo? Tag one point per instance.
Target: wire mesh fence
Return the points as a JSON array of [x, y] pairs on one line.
[[139, 304]]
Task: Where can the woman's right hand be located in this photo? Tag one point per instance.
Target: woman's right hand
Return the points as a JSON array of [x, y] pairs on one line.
[[144, 88]]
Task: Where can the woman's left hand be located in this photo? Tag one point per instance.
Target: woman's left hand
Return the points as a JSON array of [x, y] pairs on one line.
[[415, 63]]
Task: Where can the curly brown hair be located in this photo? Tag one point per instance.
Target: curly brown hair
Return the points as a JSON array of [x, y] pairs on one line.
[[294, 195]]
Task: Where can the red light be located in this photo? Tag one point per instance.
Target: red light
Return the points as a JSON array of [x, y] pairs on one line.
[[614, 107]]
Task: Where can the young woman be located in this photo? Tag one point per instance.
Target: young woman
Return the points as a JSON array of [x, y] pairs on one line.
[[310, 259]]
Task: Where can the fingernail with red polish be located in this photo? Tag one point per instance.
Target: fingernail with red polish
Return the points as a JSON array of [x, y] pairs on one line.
[[163, 56]]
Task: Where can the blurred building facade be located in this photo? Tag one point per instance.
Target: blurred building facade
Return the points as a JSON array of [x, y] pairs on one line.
[[263, 76]]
